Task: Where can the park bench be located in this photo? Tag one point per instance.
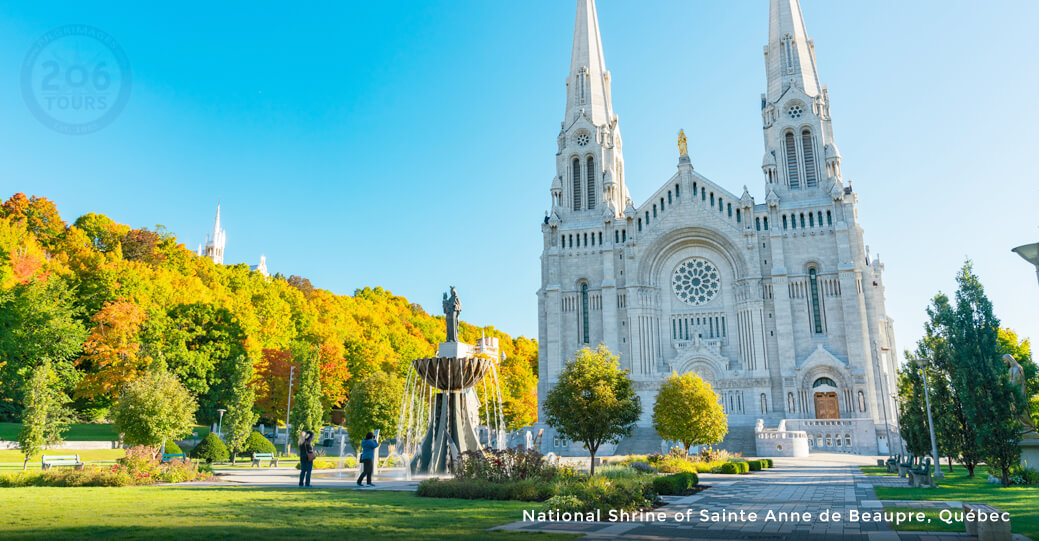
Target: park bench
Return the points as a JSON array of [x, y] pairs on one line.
[[986, 522], [257, 457], [905, 465], [48, 461], [892, 463], [921, 476], [166, 457]]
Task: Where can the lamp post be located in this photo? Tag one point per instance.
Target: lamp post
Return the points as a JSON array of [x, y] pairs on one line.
[[1030, 253], [922, 363], [220, 423]]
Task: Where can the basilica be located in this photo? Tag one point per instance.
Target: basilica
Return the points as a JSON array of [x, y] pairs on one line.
[[776, 302]]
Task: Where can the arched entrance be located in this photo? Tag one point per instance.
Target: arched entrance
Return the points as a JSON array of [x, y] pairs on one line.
[[826, 404]]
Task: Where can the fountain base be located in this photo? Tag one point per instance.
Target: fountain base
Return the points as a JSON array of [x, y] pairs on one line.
[[451, 433]]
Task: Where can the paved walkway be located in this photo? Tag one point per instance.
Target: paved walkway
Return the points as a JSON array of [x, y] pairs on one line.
[[780, 497], [389, 479]]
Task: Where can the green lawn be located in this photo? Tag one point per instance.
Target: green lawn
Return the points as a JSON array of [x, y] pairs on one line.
[[250, 513], [1022, 502], [81, 432]]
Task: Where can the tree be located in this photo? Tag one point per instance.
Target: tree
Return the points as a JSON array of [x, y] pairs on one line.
[[912, 412], [112, 352], [688, 410], [240, 415], [593, 401], [153, 409], [307, 410], [519, 392], [374, 404], [45, 417], [956, 437], [38, 322]]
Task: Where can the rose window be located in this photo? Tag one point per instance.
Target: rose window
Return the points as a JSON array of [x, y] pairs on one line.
[[582, 138], [795, 111], [696, 281]]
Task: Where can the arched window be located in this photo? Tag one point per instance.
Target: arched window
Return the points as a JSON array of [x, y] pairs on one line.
[[793, 177], [600, 238], [712, 199], [738, 219], [824, 381], [829, 218], [669, 196], [577, 184], [616, 235], [809, 154], [764, 404], [757, 223], [816, 311], [640, 224], [811, 220], [584, 312], [661, 205], [676, 191], [784, 221], [647, 216], [820, 214], [802, 220], [654, 210], [591, 182], [624, 235], [729, 209], [766, 223]]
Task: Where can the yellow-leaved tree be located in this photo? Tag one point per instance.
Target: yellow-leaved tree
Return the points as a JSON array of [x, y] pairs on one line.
[[688, 410]]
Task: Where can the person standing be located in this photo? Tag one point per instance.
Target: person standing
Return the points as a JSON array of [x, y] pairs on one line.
[[306, 457], [369, 452]]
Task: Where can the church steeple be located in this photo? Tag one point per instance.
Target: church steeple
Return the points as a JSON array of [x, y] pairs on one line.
[[790, 55], [589, 164], [588, 86], [216, 241], [800, 155]]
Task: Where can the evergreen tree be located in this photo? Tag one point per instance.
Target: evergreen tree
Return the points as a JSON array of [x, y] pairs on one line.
[[593, 401], [240, 416], [973, 337], [45, 417], [307, 410], [912, 410]]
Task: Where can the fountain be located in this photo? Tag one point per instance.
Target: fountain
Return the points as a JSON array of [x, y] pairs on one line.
[[440, 412]]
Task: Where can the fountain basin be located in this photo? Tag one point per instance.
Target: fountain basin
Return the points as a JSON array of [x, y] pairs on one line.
[[452, 374]]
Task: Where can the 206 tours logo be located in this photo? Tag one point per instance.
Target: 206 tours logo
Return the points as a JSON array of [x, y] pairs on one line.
[[76, 79]]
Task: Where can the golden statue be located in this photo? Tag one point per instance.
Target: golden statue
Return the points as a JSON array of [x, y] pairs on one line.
[[682, 148]]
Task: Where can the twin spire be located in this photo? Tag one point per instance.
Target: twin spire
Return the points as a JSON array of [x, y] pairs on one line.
[[789, 55], [588, 86]]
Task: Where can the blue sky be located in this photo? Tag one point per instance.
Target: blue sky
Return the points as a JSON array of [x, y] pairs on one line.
[[411, 144]]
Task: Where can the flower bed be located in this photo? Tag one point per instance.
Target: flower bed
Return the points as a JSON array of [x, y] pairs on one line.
[[523, 476], [141, 466]]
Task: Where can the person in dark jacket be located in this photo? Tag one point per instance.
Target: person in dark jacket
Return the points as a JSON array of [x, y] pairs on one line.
[[306, 447], [369, 450]]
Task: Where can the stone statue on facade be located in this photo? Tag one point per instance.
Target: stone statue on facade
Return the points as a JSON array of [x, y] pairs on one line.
[[1017, 379], [683, 149], [452, 307]]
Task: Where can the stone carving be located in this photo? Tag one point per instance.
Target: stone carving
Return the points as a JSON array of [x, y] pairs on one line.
[[452, 307], [1017, 379]]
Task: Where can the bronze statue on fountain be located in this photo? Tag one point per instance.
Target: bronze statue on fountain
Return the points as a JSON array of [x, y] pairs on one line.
[[456, 369]]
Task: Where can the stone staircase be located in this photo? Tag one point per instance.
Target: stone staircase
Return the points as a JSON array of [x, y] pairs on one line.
[[643, 441], [740, 439]]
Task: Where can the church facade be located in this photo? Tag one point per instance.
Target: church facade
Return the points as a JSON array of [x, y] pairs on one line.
[[776, 302]]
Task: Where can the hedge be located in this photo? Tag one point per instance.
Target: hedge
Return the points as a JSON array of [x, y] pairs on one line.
[[527, 490], [676, 483]]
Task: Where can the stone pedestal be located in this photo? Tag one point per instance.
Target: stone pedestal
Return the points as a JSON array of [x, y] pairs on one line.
[[455, 349]]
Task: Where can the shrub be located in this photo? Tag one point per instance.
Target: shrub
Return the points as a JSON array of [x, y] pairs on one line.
[[615, 471], [323, 464], [599, 493], [642, 466], [729, 468], [501, 466], [675, 483], [392, 461], [770, 464], [172, 448], [528, 490], [257, 443], [563, 504], [211, 449], [743, 466], [754, 465]]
